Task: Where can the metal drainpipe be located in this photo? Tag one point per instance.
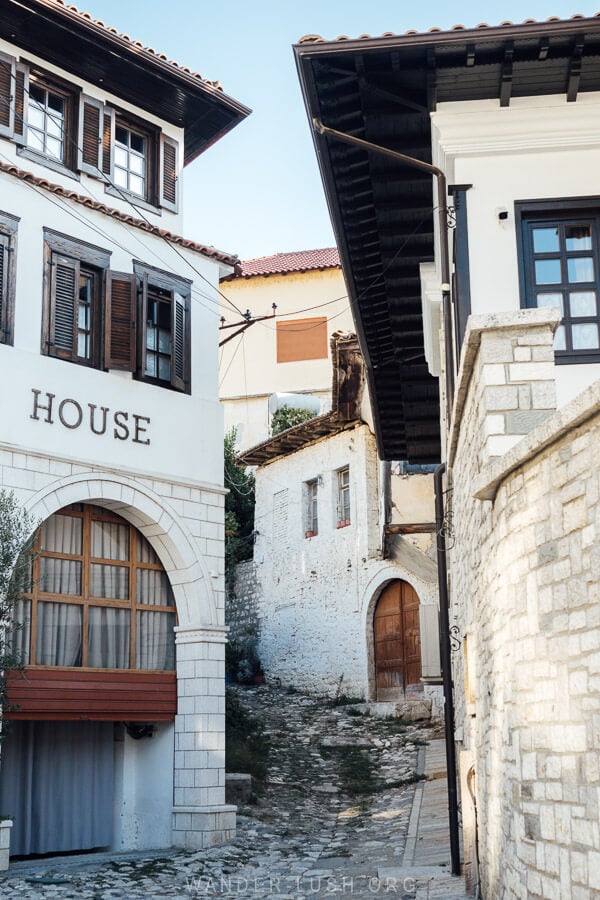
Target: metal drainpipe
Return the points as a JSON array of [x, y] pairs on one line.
[[442, 192], [446, 669]]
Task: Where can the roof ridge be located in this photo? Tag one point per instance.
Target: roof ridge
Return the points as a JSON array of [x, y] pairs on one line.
[[100, 25]]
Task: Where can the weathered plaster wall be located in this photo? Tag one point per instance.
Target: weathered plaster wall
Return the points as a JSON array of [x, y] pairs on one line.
[[318, 594], [525, 566]]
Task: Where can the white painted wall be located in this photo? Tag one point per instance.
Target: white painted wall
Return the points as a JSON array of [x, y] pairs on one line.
[[537, 148], [249, 371], [196, 419], [317, 595], [143, 789]]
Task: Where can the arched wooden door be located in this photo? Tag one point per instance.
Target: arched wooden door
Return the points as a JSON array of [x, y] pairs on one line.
[[397, 640]]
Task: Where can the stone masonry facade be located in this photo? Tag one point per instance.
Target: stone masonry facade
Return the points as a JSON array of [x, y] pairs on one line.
[[524, 571], [185, 525]]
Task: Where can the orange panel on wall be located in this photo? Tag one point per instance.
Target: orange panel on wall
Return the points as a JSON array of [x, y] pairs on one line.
[[299, 339]]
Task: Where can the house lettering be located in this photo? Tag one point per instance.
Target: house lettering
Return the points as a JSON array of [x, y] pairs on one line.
[[122, 425]]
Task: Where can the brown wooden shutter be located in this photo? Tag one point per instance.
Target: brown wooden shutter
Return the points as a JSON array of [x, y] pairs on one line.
[[7, 109], [169, 173], [120, 322], [21, 91], [108, 140], [179, 332], [3, 287], [64, 290], [300, 339], [91, 136]]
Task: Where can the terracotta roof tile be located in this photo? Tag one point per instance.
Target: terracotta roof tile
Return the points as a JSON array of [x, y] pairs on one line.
[[28, 177], [99, 24], [317, 39], [284, 263]]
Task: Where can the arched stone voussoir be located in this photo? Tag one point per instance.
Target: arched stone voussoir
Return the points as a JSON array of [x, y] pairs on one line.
[[172, 541]]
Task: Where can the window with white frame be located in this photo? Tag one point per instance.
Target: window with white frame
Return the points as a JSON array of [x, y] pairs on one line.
[[311, 508], [343, 497]]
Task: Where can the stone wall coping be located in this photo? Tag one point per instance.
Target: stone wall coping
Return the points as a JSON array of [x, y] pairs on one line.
[[113, 470], [192, 634], [511, 320], [556, 426], [220, 808]]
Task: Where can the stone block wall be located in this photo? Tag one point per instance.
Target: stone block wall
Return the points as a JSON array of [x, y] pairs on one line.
[[524, 571], [241, 604]]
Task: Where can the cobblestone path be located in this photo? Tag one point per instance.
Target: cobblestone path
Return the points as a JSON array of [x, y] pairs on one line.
[[332, 821]]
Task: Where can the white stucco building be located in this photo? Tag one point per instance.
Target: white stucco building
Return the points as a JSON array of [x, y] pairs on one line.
[[305, 293], [343, 574], [507, 269], [111, 438]]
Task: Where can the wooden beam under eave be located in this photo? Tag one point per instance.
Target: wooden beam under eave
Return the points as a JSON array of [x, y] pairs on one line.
[[575, 70], [412, 528], [507, 74]]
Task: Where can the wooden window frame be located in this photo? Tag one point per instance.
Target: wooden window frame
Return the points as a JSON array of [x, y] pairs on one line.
[[343, 492], [149, 277], [8, 253], [114, 118], [311, 508], [284, 332], [560, 212], [60, 250], [70, 95], [88, 514]]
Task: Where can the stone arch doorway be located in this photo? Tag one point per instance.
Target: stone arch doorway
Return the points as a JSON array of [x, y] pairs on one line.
[[397, 641]]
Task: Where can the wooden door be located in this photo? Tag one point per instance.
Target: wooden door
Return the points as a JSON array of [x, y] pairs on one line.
[[397, 641]]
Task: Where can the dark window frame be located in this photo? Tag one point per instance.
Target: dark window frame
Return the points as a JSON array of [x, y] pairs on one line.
[[8, 253], [152, 135], [575, 210], [149, 277], [71, 96], [60, 250]]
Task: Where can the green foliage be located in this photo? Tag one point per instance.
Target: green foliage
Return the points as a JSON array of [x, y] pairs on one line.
[[286, 417], [247, 746], [239, 510], [17, 537]]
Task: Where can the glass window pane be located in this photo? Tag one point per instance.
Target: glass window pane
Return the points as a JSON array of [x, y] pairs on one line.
[[59, 634], [37, 93], [62, 534], [153, 588], [137, 143], [18, 642], [83, 345], [580, 269], [55, 103], [145, 553], [585, 337], [164, 368], [120, 178], [83, 316], [547, 271], [559, 338], [109, 637], [150, 337], [35, 140], [545, 239], [111, 582], [121, 157], [60, 576], [164, 341], [121, 135], [154, 640], [578, 237], [36, 117], [136, 164], [544, 300], [136, 184], [110, 540], [151, 364], [582, 303], [54, 126]]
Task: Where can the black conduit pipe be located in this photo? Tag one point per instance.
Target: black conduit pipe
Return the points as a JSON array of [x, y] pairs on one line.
[[446, 669]]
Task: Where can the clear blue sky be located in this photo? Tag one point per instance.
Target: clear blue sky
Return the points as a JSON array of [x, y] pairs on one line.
[[258, 190]]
